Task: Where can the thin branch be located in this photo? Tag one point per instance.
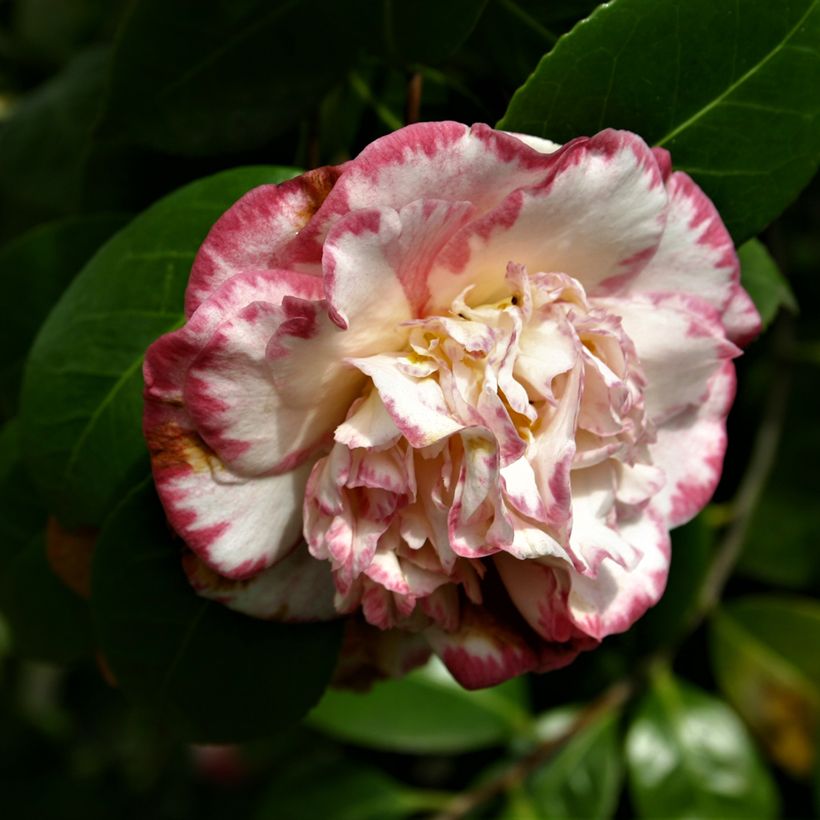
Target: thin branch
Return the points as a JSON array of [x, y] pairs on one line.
[[414, 87], [462, 804]]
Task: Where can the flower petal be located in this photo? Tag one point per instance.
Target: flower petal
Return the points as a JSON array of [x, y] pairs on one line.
[[690, 448], [599, 216], [696, 255], [254, 233], [297, 589], [236, 525], [680, 342]]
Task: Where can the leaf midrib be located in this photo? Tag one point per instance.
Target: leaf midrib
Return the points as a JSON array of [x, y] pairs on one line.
[[702, 112]]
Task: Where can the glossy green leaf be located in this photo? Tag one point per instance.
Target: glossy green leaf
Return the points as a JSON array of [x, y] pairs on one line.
[[45, 144], [726, 87], [584, 778], [336, 790], [424, 712], [81, 404], [427, 31], [766, 657], [688, 755], [37, 267], [210, 78], [215, 675], [763, 281]]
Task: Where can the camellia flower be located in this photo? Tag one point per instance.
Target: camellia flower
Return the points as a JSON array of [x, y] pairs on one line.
[[462, 385]]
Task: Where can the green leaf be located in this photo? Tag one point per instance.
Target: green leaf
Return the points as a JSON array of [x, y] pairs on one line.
[[222, 77], [37, 267], [763, 281], [215, 675], [81, 405], [766, 657], [668, 620], [45, 144], [336, 790], [584, 778], [47, 621], [425, 712], [688, 755], [726, 87], [427, 31]]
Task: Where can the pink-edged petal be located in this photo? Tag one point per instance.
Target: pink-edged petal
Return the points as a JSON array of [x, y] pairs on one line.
[[417, 406], [458, 163], [483, 652], [236, 525], [242, 409], [296, 589], [477, 521], [368, 425], [599, 217], [690, 448], [616, 597], [539, 144], [168, 359], [696, 255], [376, 262], [680, 342], [253, 234]]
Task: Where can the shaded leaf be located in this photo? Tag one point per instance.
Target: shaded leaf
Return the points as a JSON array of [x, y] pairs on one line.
[[736, 111], [37, 267], [208, 78], [81, 405], [336, 790], [215, 675], [688, 755], [427, 31], [763, 281], [47, 620], [424, 712], [766, 657], [45, 144]]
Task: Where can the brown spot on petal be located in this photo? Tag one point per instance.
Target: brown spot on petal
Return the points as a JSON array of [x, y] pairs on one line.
[[316, 185], [171, 446], [69, 554]]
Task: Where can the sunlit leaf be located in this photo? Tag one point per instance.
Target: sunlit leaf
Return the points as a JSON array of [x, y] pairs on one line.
[[688, 755], [424, 712], [213, 674], [726, 87], [766, 657]]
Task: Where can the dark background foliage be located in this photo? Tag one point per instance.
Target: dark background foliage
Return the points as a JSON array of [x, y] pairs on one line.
[[126, 128]]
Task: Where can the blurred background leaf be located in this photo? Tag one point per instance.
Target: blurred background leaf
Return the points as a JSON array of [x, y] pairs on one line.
[[766, 657], [763, 281]]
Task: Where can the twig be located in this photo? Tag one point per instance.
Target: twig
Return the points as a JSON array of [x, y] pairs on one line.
[[462, 804], [414, 87]]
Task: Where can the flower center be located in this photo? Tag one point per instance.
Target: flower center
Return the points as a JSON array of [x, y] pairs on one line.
[[475, 441]]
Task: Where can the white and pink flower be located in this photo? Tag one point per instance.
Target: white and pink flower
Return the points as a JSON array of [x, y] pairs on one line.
[[462, 385]]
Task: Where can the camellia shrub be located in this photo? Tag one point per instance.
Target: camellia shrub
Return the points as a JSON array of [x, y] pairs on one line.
[[454, 465]]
